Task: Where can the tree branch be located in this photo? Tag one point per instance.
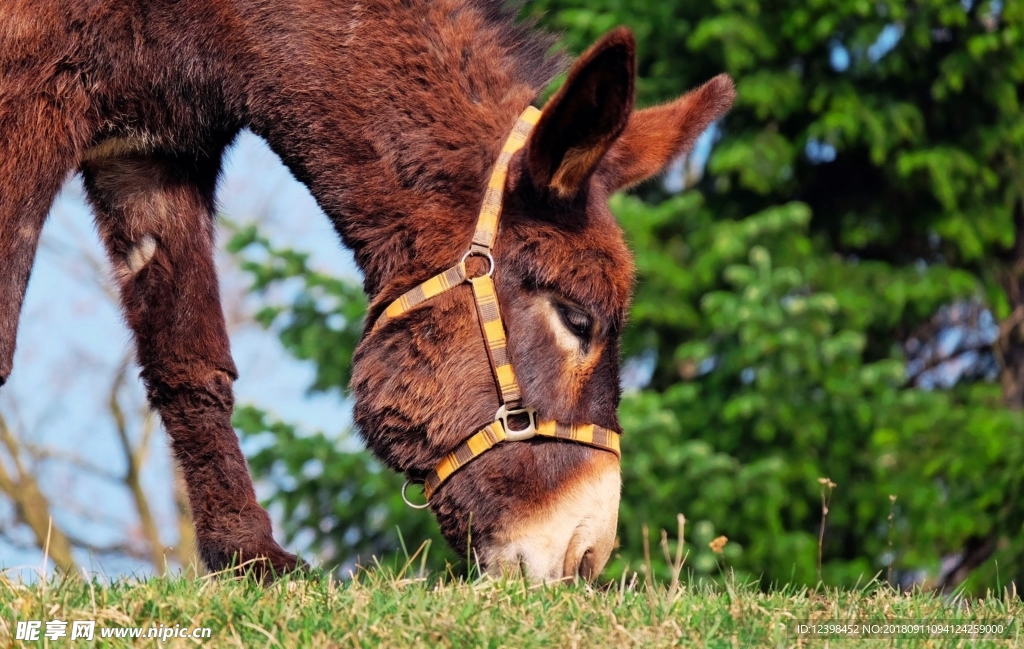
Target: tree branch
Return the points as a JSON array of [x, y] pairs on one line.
[[31, 506], [133, 457], [186, 550]]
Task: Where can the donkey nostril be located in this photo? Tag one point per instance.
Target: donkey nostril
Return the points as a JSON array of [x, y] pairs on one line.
[[586, 569]]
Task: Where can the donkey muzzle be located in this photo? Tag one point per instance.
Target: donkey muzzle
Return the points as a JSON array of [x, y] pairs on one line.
[[572, 535]]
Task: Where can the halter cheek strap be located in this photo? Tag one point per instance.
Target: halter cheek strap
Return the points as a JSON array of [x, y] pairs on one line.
[[493, 330]]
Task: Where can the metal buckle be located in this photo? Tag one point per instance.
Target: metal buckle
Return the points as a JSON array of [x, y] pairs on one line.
[[480, 253], [406, 499], [517, 435]]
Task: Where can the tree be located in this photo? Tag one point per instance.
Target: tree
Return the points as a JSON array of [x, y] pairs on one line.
[[896, 125]]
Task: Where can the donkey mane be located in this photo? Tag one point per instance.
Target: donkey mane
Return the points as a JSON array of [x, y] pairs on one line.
[[432, 89]]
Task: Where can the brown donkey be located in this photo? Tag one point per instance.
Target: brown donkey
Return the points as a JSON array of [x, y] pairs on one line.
[[394, 114]]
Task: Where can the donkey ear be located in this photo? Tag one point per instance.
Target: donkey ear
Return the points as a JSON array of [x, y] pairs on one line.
[[655, 136], [583, 119]]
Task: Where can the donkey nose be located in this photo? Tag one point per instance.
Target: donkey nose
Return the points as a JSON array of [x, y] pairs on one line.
[[573, 535]]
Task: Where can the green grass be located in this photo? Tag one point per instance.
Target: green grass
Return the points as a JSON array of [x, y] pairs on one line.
[[383, 608]]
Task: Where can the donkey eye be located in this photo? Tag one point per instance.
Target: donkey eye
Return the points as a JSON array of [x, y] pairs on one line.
[[575, 320]]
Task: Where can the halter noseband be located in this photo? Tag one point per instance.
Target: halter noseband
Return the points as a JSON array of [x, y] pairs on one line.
[[493, 330]]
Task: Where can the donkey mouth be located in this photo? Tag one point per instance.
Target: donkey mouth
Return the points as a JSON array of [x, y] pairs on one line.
[[571, 536]]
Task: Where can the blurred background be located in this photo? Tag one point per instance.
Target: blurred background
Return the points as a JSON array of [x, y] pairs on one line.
[[825, 359]]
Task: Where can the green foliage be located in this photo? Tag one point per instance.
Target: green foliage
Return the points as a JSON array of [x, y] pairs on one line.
[[324, 320], [868, 174], [765, 382], [923, 111], [897, 127]]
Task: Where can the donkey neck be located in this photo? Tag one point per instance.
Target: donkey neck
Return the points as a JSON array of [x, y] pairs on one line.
[[393, 113]]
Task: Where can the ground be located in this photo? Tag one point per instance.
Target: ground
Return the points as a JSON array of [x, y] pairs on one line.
[[400, 608]]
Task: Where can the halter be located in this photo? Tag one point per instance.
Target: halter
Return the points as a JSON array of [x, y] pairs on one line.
[[493, 329]]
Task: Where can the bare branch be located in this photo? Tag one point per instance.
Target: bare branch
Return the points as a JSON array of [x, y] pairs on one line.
[[42, 454], [31, 506], [148, 426], [186, 550], [118, 549], [131, 478]]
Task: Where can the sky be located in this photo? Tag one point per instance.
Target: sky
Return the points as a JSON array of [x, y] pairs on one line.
[[72, 339]]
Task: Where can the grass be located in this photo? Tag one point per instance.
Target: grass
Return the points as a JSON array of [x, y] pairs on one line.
[[385, 608]]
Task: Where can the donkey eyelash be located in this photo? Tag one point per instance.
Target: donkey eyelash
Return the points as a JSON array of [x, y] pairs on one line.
[[578, 322]]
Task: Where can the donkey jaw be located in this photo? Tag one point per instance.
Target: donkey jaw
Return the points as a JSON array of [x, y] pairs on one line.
[[573, 535]]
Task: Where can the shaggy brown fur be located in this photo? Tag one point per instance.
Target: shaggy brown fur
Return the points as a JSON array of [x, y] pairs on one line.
[[393, 113]]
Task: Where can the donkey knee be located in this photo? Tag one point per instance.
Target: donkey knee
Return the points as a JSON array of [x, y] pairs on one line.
[[191, 400], [164, 384]]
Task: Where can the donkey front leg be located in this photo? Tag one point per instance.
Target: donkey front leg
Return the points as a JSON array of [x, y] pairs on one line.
[[24, 201], [39, 144], [155, 215]]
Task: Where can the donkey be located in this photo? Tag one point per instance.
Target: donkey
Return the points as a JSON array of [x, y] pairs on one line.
[[394, 114]]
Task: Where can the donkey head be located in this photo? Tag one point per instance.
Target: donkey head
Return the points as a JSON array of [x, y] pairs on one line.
[[563, 275]]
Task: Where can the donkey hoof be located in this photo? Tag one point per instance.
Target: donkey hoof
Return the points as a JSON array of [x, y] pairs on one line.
[[270, 564], [266, 562]]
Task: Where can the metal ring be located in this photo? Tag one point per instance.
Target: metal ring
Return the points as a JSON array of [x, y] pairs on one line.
[[406, 499], [487, 255]]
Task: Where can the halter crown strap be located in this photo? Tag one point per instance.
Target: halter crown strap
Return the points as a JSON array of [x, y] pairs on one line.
[[493, 331], [483, 236], [490, 212]]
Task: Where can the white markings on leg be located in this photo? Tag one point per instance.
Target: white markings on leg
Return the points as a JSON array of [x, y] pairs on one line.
[[140, 254]]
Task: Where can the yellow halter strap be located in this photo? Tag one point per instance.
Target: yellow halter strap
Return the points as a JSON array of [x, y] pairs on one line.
[[494, 334]]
